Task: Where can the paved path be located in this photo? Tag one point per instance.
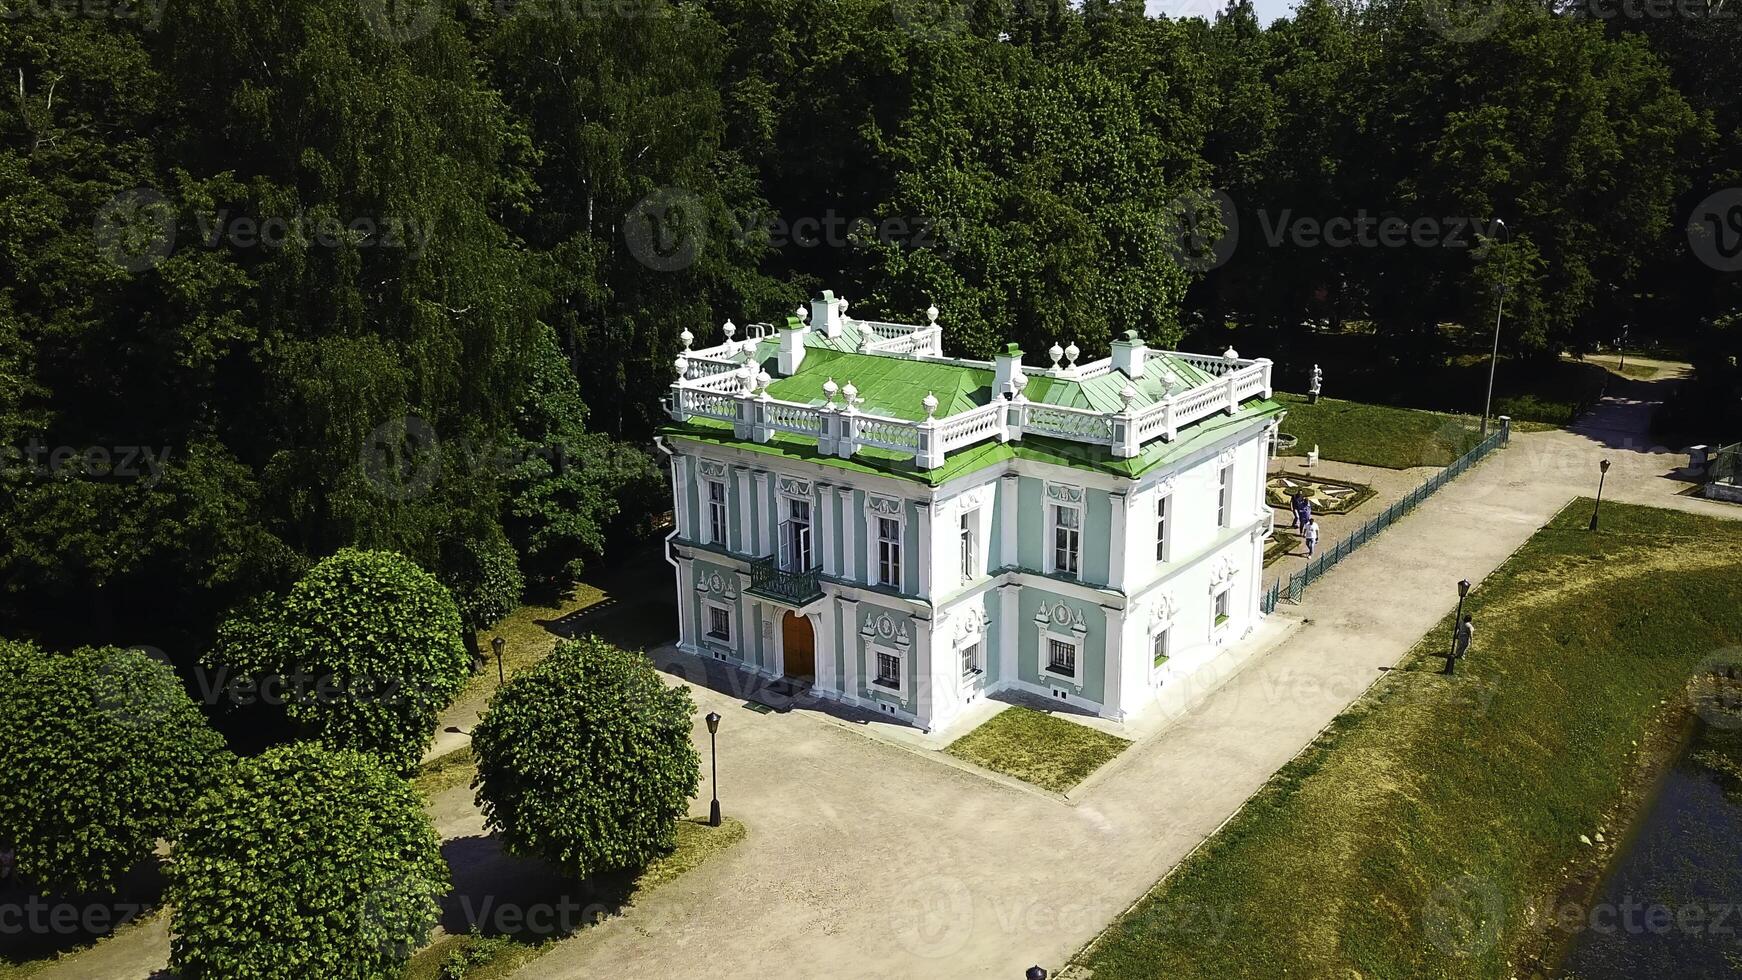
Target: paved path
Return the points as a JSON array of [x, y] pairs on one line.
[[867, 860]]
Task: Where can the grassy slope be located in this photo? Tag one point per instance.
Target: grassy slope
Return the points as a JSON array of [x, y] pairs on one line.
[[1377, 435], [1036, 747], [1351, 860]]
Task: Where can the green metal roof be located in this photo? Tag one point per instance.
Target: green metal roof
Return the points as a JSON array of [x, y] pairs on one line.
[[1061, 452]]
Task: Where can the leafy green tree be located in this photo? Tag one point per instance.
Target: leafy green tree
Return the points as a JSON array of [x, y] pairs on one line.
[[308, 862], [365, 647], [586, 760], [103, 753]]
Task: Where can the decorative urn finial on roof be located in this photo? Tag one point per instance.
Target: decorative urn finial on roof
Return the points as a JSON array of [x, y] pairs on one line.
[[931, 404], [687, 338], [683, 367], [747, 377], [1071, 352], [931, 314], [829, 390], [850, 394], [1231, 354], [762, 380], [803, 314], [1128, 394], [1055, 352], [729, 329]]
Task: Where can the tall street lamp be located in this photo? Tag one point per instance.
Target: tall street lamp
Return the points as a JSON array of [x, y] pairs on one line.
[[1457, 620], [1602, 473], [497, 645], [1494, 357], [714, 752]]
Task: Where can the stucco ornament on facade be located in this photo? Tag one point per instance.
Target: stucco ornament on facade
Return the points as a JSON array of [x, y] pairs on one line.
[[1063, 616], [1161, 613], [718, 584], [883, 505], [1064, 493], [885, 628], [795, 487]]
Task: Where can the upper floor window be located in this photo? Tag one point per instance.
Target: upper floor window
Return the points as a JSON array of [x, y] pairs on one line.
[[889, 552], [1161, 506], [1067, 539], [796, 537], [1225, 496], [970, 550], [716, 512]]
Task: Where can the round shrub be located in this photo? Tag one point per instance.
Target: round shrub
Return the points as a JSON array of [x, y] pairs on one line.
[[101, 751], [308, 862], [483, 573], [364, 651], [586, 762]]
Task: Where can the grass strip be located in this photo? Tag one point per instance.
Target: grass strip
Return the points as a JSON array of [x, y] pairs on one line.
[[1420, 832], [1038, 748]]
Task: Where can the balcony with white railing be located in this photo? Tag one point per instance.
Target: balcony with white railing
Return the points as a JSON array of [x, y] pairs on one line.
[[725, 383]]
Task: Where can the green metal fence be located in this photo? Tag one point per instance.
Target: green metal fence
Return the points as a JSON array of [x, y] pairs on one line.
[[1726, 466], [1328, 558]]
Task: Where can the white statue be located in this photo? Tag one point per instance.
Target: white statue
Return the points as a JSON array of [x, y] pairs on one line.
[[1317, 383]]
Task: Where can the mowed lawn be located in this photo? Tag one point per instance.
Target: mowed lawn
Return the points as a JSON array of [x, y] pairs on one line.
[[1377, 435], [1037, 748], [1416, 835]]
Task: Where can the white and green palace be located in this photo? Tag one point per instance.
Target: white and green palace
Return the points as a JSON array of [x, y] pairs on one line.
[[908, 532]]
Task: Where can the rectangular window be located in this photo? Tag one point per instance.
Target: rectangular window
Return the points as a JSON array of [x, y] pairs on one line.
[[1061, 657], [1161, 648], [970, 560], [888, 670], [970, 660], [716, 512], [1225, 497], [889, 552], [1161, 504], [720, 623], [1067, 539], [1222, 607], [796, 537]]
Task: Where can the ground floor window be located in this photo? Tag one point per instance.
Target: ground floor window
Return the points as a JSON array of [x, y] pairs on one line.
[[1222, 607], [888, 671], [1061, 657], [1160, 648], [971, 660], [720, 623]]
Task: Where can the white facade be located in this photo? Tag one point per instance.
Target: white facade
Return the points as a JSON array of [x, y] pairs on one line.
[[916, 593]]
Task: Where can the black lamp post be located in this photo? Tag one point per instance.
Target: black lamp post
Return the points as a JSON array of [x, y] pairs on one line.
[[498, 644], [1602, 473], [714, 752], [1494, 357], [1036, 972], [1457, 621]]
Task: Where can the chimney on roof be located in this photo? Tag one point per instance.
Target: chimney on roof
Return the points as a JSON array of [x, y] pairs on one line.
[[1007, 366], [791, 351], [1129, 353], [828, 314]]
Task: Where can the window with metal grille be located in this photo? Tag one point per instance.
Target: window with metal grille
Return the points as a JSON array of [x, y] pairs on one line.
[[719, 623], [1061, 657], [888, 670]]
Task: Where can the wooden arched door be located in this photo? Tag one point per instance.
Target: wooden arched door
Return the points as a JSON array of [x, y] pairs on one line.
[[799, 646]]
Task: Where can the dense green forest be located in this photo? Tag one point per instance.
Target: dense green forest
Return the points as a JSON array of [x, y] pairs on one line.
[[279, 277]]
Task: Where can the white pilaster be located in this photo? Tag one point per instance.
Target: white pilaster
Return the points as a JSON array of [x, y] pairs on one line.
[[922, 538], [1010, 641], [848, 610], [1116, 542], [686, 604], [826, 529], [1009, 518], [849, 560], [1113, 670], [680, 482], [746, 544], [768, 528]]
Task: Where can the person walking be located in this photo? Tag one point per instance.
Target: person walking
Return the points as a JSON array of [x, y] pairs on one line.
[[1297, 505], [1461, 639], [1312, 536]]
